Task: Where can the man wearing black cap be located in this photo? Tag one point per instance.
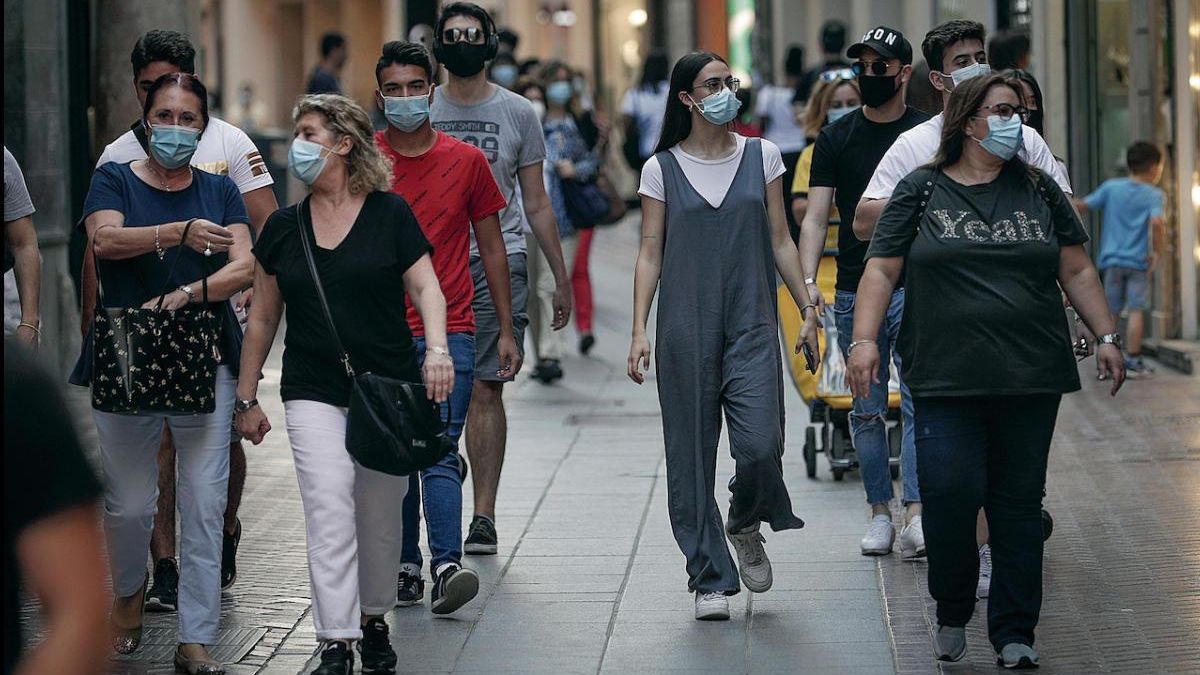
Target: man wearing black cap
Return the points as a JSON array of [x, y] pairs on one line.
[[844, 159], [833, 39]]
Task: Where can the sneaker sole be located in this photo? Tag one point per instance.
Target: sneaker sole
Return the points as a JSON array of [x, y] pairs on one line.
[[713, 615], [480, 549], [953, 658], [156, 605], [876, 551], [459, 591], [1025, 663], [230, 584], [410, 603]]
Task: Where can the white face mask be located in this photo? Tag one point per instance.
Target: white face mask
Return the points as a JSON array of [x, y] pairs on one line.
[[974, 70]]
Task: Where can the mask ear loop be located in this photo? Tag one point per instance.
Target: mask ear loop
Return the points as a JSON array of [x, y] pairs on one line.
[[695, 104]]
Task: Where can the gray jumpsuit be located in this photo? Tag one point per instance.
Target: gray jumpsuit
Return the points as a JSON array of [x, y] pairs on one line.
[[717, 351]]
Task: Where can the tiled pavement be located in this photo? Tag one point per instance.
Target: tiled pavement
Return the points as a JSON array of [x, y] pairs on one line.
[[589, 579]]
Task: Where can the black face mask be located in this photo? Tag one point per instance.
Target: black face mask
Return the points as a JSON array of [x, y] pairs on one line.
[[877, 90], [1035, 121], [464, 60]]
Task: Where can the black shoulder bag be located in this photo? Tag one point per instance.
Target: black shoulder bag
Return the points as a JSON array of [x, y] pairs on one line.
[[392, 427], [155, 361]]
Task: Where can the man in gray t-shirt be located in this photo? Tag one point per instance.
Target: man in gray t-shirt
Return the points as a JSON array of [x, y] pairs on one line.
[[22, 260], [504, 126]]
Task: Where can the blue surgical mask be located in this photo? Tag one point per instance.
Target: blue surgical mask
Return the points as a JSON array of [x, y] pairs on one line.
[[1004, 136], [504, 74], [720, 108], [305, 160], [559, 93], [406, 113], [836, 114], [974, 70], [172, 145]]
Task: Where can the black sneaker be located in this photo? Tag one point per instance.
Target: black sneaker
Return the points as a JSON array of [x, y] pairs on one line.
[[586, 343], [229, 547], [482, 538], [336, 659], [376, 649], [454, 588], [410, 588], [163, 595], [547, 371]]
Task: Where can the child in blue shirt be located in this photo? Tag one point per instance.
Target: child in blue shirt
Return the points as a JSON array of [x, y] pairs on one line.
[[1132, 208]]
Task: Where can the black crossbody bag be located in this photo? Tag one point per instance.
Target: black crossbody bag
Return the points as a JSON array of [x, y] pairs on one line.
[[392, 427]]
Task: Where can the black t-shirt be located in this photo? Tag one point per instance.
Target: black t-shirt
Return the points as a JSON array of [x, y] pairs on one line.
[[983, 314], [44, 470], [845, 157], [364, 283]]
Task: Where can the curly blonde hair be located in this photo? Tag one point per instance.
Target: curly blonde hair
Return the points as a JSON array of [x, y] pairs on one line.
[[369, 170], [818, 104]]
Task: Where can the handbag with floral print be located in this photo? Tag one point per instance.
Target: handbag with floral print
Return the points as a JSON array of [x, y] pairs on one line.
[[155, 360]]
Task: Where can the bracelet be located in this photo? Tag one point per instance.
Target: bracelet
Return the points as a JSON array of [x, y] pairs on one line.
[[809, 281], [809, 305], [37, 331], [158, 243], [857, 343]]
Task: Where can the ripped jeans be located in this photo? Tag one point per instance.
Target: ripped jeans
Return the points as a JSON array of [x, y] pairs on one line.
[[867, 426]]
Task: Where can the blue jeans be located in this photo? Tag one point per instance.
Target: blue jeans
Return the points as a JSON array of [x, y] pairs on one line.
[[986, 452], [440, 486], [867, 426]]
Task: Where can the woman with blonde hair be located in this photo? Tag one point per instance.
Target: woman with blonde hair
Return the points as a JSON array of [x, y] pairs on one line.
[[369, 252], [836, 94]]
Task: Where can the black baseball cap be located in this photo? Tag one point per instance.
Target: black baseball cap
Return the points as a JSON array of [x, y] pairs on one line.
[[888, 42]]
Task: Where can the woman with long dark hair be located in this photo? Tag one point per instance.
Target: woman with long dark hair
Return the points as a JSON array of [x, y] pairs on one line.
[[985, 243], [641, 110], [714, 234]]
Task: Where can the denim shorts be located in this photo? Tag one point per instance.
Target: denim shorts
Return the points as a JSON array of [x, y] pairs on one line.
[[1126, 288]]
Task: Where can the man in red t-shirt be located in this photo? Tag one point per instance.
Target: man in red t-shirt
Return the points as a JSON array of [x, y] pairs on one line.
[[450, 188]]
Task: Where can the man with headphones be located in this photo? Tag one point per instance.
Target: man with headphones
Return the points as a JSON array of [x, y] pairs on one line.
[[505, 127]]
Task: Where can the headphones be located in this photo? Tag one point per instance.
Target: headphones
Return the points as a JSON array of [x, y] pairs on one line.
[[492, 40]]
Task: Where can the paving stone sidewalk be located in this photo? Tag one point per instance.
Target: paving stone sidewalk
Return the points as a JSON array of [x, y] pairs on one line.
[[589, 579]]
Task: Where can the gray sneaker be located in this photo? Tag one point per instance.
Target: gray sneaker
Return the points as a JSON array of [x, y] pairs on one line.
[[1017, 656], [880, 536], [753, 564], [984, 586], [950, 643]]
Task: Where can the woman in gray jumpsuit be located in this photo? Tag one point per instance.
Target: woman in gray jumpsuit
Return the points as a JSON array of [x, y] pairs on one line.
[[714, 232]]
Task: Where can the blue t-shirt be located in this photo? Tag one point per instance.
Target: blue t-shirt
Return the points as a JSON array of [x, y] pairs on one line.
[[1128, 206], [133, 281]]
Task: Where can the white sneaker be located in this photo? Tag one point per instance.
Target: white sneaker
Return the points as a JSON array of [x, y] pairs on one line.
[[912, 539], [983, 587], [712, 607], [881, 534], [753, 564]]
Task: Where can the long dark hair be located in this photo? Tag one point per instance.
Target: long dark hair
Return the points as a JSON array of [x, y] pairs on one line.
[[1028, 78], [677, 119], [654, 70], [964, 101]]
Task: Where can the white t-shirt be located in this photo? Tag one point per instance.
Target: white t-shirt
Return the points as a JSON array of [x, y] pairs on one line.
[[919, 145], [224, 150], [710, 177], [646, 107], [775, 104]]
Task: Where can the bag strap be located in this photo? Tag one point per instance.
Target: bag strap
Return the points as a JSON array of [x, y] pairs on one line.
[[171, 272], [312, 270]]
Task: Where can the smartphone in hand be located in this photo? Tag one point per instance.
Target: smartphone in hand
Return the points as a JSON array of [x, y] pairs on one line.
[[808, 358]]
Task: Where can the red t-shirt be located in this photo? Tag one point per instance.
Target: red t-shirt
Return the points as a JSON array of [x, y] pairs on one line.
[[448, 188]]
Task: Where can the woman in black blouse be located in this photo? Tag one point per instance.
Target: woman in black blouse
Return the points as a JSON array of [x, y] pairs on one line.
[[369, 252], [985, 244]]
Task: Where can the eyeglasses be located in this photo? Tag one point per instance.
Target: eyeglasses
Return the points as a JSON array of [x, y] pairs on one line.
[[1005, 111], [713, 85], [837, 74], [470, 35], [875, 68]]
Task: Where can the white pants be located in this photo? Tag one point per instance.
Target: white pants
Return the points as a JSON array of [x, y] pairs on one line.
[[547, 342], [352, 518], [128, 457]]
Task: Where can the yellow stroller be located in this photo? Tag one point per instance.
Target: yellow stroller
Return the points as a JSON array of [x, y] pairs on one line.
[[825, 392]]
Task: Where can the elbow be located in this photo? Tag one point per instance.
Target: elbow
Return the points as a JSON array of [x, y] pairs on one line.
[[102, 245], [861, 231], [243, 273]]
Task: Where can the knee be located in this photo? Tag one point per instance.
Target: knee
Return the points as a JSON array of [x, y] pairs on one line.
[[128, 506], [868, 419], [486, 394]]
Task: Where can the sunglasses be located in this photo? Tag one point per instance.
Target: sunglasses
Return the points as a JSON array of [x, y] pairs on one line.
[[470, 35], [875, 68], [837, 74]]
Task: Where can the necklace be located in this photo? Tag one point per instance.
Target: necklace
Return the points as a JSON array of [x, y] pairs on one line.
[[162, 180]]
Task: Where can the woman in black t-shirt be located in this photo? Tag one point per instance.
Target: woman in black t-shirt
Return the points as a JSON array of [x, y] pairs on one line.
[[985, 245], [369, 250]]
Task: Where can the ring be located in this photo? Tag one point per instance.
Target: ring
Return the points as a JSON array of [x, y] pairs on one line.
[[207, 248]]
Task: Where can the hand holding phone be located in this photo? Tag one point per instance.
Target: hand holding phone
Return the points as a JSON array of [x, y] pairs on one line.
[[808, 358]]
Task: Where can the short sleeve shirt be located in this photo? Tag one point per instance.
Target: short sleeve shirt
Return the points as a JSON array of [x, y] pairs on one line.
[[646, 105], [224, 150], [17, 203], [448, 188], [782, 129], [709, 177], [506, 128], [1127, 206], [983, 312], [133, 281], [363, 279]]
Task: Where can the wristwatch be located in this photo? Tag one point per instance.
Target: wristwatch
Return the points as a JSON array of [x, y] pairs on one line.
[[187, 290], [1110, 339], [810, 281], [242, 405]]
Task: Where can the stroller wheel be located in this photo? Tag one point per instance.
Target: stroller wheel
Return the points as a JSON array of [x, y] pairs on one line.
[[810, 452], [1047, 525]]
